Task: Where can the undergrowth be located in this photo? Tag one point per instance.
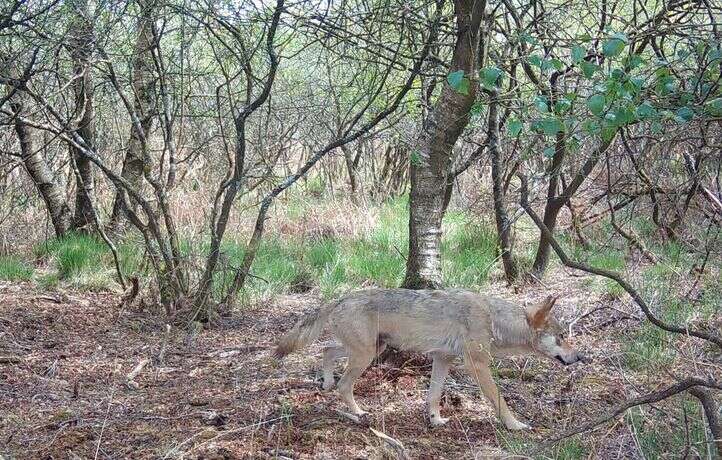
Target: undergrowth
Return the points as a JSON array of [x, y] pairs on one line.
[[14, 269]]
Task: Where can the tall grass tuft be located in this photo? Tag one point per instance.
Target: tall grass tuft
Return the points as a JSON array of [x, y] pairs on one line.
[[13, 269], [74, 254]]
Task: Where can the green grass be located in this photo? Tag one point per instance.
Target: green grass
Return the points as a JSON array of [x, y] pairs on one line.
[[74, 254], [469, 254], [520, 444], [292, 263], [378, 258], [658, 440], [647, 349], [571, 449], [84, 261], [13, 269]]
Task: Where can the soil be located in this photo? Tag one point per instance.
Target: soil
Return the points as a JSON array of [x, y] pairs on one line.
[[65, 359]]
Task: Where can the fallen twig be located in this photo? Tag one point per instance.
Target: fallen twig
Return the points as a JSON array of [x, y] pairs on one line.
[[164, 345], [395, 444], [645, 399], [130, 378]]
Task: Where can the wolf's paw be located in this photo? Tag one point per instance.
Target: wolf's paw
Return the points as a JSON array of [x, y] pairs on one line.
[[438, 421], [516, 425]]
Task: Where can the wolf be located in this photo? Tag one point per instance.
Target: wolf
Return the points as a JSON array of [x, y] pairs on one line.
[[445, 324]]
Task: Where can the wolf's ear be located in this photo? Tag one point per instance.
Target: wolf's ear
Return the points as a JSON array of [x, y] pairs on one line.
[[537, 315]]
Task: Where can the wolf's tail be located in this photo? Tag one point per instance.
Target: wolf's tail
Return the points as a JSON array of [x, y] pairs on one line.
[[305, 331]]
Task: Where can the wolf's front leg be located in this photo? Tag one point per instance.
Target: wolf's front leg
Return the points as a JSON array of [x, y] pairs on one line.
[[477, 365], [439, 371]]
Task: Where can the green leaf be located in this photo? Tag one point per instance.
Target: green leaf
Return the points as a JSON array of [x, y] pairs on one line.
[[557, 64], [596, 104], [608, 132], [541, 103], [459, 82], [589, 68], [562, 105], [514, 127], [490, 76], [477, 108], [645, 111], [551, 126], [637, 84], [415, 158], [684, 114], [618, 74], [535, 60], [591, 127], [578, 53], [714, 107], [573, 144], [528, 38], [615, 45], [549, 151], [623, 116], [633, 61]]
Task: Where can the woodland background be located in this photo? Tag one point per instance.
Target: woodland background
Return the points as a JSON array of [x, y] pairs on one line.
[[181, 179]]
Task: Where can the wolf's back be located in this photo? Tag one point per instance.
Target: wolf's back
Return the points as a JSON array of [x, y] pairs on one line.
[[305, 331]]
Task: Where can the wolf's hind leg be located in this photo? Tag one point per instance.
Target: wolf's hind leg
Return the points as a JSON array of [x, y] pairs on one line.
[[358, 361], [439, 371], [477, 365], [330, 355]]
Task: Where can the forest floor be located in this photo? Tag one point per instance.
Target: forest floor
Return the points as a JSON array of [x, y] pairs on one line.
[[64, 390]]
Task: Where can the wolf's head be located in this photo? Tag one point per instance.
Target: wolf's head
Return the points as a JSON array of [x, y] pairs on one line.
[[548, 333]]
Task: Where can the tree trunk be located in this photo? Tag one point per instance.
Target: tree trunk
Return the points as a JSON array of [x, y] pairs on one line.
[[351, 164], [556, 200], [81, 53], [430, 163], [143, 83], [37, 167], [503, 225]]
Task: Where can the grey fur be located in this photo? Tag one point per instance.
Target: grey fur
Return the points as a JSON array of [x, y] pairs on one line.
[[443, 324]]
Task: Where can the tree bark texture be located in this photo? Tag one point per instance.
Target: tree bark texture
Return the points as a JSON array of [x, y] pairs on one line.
[[430, 163], [143, 84], [557, 200], [81, 43], [503, 224], [38, 169]]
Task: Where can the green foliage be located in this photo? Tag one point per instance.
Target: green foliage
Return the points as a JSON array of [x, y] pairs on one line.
[[491, 77], [615, 45], [514, 127], [648, 349], [459, 82], [578, 53], [13, 269], [469, 253], [658, 440], [74, 254], [596, 104], [571, 449]]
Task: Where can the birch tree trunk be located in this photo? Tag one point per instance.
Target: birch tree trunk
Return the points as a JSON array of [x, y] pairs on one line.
[[143, 83], [81, 43], [430, 164], [36, 166]]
